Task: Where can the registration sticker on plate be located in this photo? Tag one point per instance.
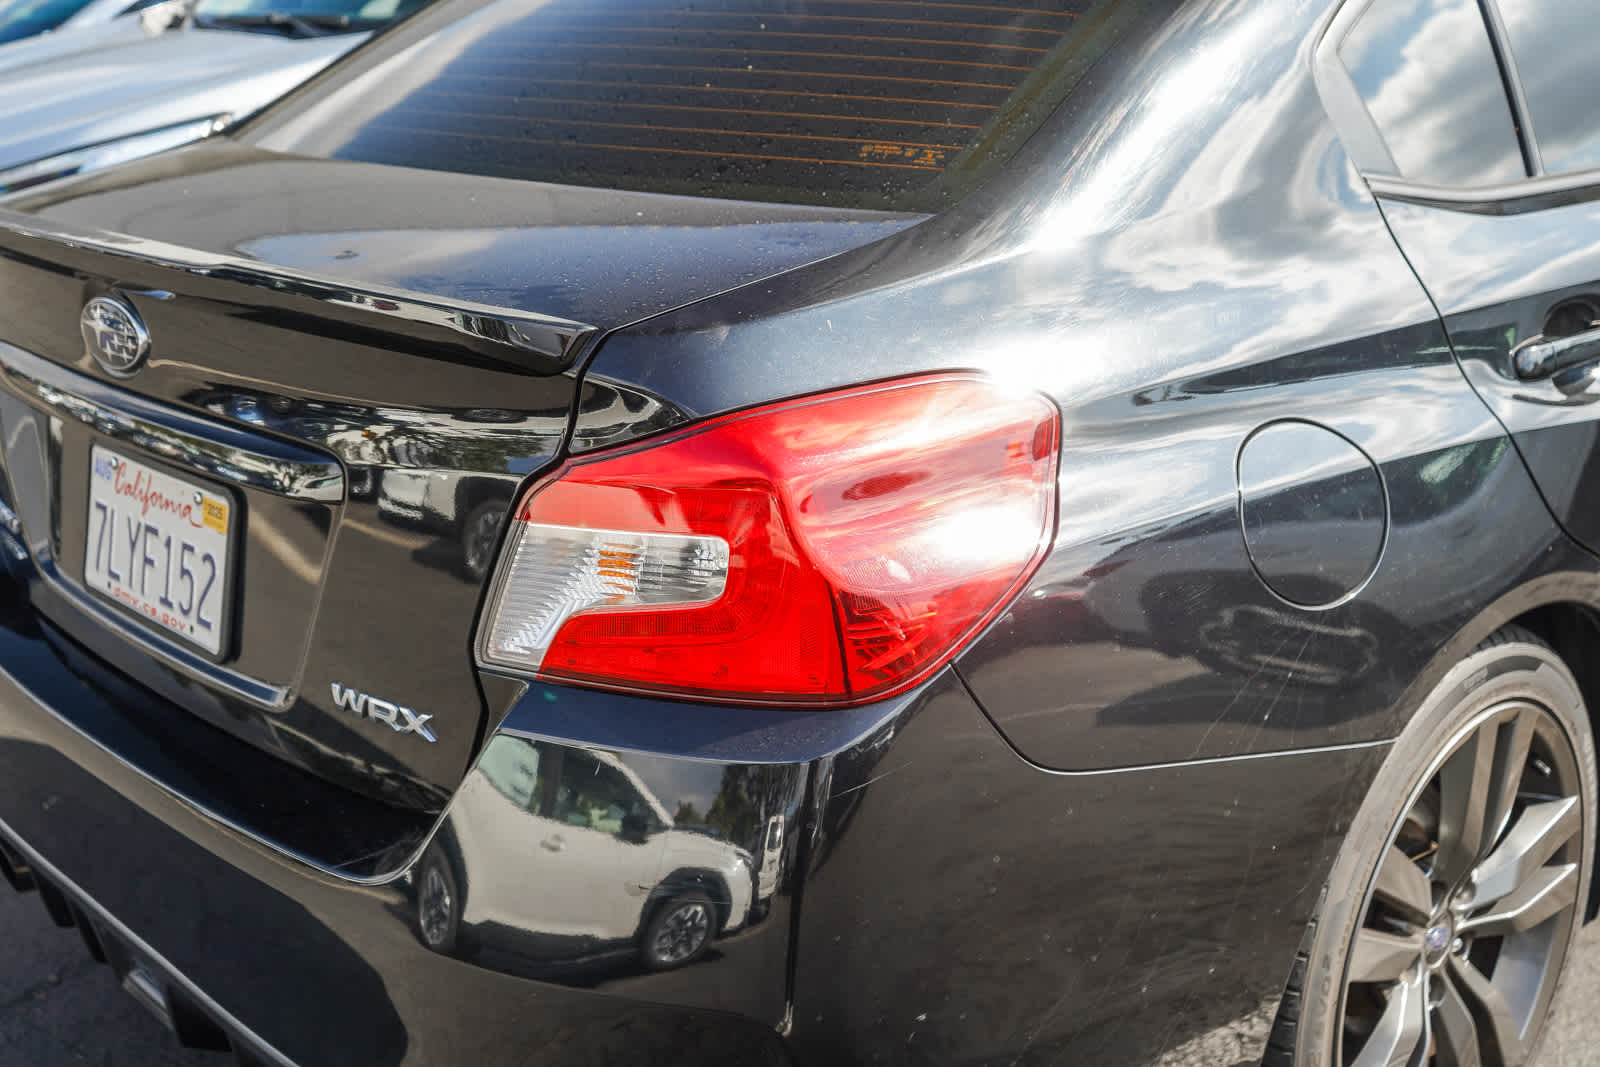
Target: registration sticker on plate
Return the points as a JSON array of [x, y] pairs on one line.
[[158, 545]]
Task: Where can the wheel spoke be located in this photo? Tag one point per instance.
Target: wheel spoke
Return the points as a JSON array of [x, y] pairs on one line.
[[1538, 834], [1383, 957], [1454, 1030], [1402, 886], [1503, 862], [1512, 742], [1401, 1031], [1499, 1039], [1463, 797], [1478, 786], [1548, 892]]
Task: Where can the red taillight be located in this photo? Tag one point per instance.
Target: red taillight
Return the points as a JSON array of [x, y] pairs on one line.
[[824, 551]]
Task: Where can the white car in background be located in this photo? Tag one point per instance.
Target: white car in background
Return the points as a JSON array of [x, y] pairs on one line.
[[771, 860]]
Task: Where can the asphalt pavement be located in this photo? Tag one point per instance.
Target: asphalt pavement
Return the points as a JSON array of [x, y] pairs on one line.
[[1574, 1032], [57, 1006]]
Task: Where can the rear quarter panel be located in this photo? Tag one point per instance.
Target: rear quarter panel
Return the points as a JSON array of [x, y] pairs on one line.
[[1183, 256]]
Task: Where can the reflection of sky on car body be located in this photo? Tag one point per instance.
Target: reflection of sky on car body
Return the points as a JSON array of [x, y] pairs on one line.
[[1428, 74], [1560, 82]]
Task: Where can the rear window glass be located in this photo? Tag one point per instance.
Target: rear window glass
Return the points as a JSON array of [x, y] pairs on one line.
[[849, 102]]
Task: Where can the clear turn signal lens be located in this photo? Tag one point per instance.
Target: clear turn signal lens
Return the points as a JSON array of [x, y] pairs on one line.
[[564, 570]]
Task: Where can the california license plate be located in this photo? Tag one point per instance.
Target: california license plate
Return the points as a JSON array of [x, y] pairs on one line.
[[158, 545]]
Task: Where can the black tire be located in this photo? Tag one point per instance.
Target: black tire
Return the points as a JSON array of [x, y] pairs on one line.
[[679, 932], [363, 483], [437, 912], [480, 533], [1510, 686]]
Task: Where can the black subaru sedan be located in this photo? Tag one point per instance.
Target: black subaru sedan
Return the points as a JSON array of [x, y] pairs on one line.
[[823, 532]]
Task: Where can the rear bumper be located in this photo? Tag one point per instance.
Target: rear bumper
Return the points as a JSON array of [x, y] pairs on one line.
[[935, 899], [291, 962]]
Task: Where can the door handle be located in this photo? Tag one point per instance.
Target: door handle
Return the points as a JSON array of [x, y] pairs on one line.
[[1540, 357], [553, 843]]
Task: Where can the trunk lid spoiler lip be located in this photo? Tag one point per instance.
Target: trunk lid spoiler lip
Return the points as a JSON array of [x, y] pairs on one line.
[[539, 344]]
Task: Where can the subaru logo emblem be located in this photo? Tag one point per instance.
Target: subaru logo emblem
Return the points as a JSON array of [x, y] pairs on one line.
[[114, 335]]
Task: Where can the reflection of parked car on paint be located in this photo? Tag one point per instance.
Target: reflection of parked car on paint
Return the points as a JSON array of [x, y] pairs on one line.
[[465, 509], [589, 860], [771, 860]]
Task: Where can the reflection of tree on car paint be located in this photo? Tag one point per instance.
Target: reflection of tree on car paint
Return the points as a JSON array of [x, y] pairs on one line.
[[581, 858]]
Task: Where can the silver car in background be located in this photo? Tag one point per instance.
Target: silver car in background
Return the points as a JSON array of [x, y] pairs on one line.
[[21, 19], [76, 102]]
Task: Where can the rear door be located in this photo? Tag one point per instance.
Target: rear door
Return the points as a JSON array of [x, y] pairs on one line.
[[1492, 190]]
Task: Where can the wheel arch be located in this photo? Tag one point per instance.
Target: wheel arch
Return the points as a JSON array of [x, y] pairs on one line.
[[1573, 629], [1563, 609], [687, 879], [471, 492], [446, 851]]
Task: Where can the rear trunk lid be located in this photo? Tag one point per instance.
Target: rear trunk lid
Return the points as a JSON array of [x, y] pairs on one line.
[[365, 363]]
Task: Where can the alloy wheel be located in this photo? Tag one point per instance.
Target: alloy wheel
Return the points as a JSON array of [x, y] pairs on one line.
[[1468, 915], [682, 933], [482, 534], [433, 914]]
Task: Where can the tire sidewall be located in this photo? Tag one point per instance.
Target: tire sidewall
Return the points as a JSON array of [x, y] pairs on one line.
[[653, 927], [1492, 675], [436, 861], [469, 530]]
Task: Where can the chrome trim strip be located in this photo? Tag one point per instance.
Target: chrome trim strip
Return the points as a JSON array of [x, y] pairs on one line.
[[98, 911], [543, 335], [274, 697], [212, 449], [1509, 198]]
